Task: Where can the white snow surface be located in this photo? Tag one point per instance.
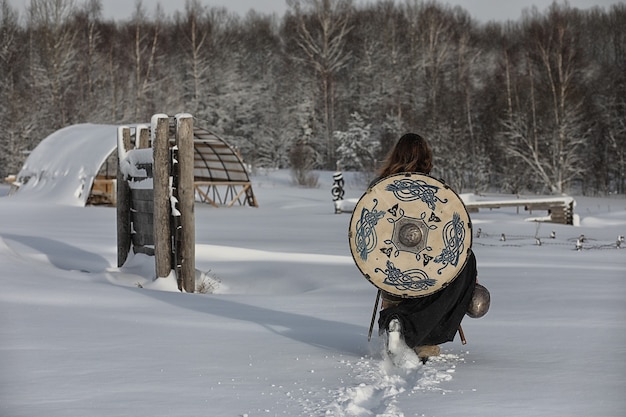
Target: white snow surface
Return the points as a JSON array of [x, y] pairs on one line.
[[285, 331]]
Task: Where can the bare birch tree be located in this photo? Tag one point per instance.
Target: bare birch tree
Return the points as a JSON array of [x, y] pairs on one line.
[[550, 134], [53, 57], [92, 62], [431, 48], [379, 70], [322, 30], [196, 47], [145, 49]]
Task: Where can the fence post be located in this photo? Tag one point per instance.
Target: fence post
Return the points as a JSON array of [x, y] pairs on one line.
[[123, 198], [142, 136], [186, 194], [161, 186]]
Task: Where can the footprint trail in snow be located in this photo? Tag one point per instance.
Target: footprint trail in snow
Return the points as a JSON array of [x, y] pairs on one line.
[[380, 383]]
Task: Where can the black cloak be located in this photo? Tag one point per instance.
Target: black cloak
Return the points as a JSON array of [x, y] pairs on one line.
[[434, 319]]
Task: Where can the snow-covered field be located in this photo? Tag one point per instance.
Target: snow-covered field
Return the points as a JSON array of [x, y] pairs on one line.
[[285, 333]]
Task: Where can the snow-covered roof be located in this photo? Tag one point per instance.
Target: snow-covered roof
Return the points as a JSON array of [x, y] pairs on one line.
[[61, 169]]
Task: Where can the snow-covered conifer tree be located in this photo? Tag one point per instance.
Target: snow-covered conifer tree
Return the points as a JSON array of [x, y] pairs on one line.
[[357, 149]]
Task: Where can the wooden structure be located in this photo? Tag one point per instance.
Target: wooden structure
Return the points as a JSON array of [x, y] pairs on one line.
[[78, 164], [220, 176], [155, 197], [560, 209]]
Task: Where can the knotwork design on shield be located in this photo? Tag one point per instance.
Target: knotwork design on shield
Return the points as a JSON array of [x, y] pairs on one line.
[[454, 243], [408, 280], [365, 230], [408, 189]]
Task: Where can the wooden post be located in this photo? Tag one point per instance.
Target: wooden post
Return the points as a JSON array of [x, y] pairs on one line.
[[161, 185], [123, 198], [186, 192], [142, 136]]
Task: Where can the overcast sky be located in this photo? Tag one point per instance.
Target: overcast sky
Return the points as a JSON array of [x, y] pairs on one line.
[[483, 10]]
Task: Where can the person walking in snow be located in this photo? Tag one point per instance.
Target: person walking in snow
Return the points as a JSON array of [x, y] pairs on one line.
[[425, 322]]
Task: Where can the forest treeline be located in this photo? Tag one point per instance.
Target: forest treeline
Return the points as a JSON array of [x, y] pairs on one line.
[[537, 104]]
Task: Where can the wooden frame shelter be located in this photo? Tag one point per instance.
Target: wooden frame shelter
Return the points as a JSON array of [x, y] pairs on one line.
[[220, 176]]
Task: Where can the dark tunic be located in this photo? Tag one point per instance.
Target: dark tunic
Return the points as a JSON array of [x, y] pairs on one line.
[[434, 319]]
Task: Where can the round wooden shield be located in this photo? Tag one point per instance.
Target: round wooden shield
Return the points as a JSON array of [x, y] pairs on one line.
[[410, 235]]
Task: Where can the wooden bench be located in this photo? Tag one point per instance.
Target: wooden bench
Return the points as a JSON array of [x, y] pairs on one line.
[[560, 209]]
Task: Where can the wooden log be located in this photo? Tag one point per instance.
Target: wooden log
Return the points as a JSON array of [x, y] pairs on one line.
[[186, 191], [558, 214], [239, 194], [570, 213], [250, 197], [123, 199], [161, 199]]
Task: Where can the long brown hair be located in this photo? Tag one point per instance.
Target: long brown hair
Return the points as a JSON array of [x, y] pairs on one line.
[[411, 154]]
